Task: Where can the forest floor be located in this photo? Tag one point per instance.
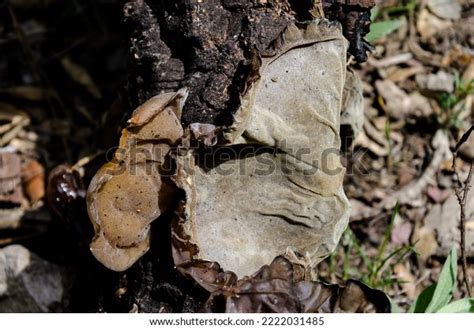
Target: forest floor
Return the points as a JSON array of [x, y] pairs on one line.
[[418, 90], [63, 65]]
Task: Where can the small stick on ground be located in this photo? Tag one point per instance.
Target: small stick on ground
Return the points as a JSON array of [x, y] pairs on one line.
[[462, 191]]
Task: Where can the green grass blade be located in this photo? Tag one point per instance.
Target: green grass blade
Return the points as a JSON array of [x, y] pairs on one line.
[[380, 29], [465, 305], [446, 283], [388, 235], [374, 13], [423, 300], [395, 308]]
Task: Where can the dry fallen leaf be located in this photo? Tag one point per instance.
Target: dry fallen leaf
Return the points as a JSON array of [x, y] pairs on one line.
[[12, 122], [443, 220], [441, 81], [81, 76], [425, 242], [396, 99], [436, 194], [10, 178], [429, 25], [33, 180], [407, 280], [402, 74], [30, 93], [401, 233], [447, 9], [467, 149]]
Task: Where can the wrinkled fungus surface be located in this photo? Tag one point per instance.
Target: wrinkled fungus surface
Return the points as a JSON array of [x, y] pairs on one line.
[[131, 191], [281, 287], [276, 186]]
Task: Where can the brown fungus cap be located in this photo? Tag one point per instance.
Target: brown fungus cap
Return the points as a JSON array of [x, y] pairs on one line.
[[129, 193]]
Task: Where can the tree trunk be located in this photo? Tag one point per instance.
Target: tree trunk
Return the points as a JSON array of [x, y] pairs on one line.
[[208, 46], [214, 48]]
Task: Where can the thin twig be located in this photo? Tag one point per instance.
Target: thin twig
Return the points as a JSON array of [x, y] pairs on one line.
[[461, 194], [462, 191]]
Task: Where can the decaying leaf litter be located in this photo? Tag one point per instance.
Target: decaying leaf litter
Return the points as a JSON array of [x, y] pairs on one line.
[[417, 104], [413, 120]]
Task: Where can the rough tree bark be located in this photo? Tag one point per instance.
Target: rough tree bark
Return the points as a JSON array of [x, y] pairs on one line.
[[212, 47]]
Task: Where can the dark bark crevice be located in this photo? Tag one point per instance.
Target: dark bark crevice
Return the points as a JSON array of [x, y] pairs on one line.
[[211, 47], [208, 47]]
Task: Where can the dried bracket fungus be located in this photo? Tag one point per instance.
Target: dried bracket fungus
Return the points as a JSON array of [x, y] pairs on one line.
[[281, 287], [276, 186], [272, 186], [132, 190]]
